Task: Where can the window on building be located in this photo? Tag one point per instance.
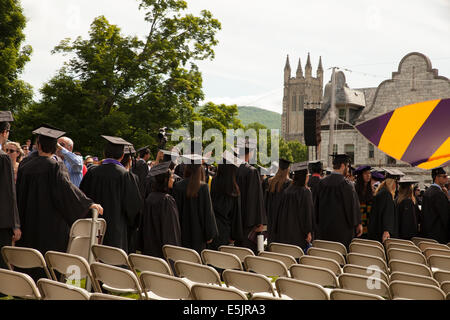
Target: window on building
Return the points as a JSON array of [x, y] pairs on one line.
[[301, 101], [349, 149], [390, 160], [294, 103], [343, 114], [335, 148], [371, 151]]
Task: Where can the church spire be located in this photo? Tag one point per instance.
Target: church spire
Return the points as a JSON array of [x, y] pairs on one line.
[[320, 68], [287, 70], [299, 69], [308, 68]]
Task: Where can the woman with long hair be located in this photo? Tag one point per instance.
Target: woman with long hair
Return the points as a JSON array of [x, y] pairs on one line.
[[363, 187], [15, 153], [407, 210]]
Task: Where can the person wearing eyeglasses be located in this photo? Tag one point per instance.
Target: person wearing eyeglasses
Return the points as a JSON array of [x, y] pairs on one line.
[[15, 152], [73, 162]]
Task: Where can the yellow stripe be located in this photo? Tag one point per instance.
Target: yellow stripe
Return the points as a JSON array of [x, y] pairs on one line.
[[403, 126], [438, 158]]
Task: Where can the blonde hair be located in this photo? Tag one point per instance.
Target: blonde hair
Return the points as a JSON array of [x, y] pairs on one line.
[[19, 148], [389, 185]]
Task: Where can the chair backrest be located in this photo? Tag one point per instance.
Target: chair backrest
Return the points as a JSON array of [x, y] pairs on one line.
[[430, 251], [140, 262], [445, 286], [364, 260], [208, 292], [263, 296], [423, 245], [330, 245], [368, 242], [248, 282], [366, 271], [54, 290], [402, 246], [343, 294], [176, 253], [326, 253], [294, 251], [326, 263], [360, 283], [317, 275], [165, 286], [18, 284], [406, 255], [110, 255], [24, 258], [82, 227], [415, 291], [410, 267], [221, 260], [300, 290], [197, 272], [402, 276], [104, 296], [79, 246], [266, 266], [369, 250], [418, 240], [439, 262], [387, 242], [441, 276], [240, 252], [288, 260]]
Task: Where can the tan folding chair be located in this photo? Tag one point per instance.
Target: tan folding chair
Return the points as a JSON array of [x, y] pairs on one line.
[[158, 286], [79, 246], [445, 286], [300, 290], [54, 290], [438, 262], [116, 279], [175, 253], [104, 296], [431, 245], [80, 234], [221, 260], [70, 266], [418, 240], [441, 276], [364, 260], [367, 250], [321, 276], [288, 260], [405, 255], [410, 267], [266, 266], [372, 285], [366, 271], [326, 253], [240, 252], [407, 247], [326, 263], [343, 294], [448, 296], [289, 249], [430, 251], [197, 273], [389, 241], [402, 276], [330, 245], [415, 291], [248, 282], [18, 284], [24, 258], [209, 292], [368, 242], [260, 296], [140, 263], [110, 255]]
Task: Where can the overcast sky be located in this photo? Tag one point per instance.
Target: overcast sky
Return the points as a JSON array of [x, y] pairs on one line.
[[368, 37]]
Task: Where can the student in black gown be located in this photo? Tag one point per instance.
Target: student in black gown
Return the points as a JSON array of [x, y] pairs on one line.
[[316, 169], [336, 205], [140, 168], [117, 190], [226, 202], [383, 220], [160, 220], [407, 210], [294, 222], [363, 187], [197, 221], [162, 156], [274, 194], [436, 208]]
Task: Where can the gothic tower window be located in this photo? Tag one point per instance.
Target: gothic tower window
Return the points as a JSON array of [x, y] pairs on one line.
[[301, 101], [294, 103]]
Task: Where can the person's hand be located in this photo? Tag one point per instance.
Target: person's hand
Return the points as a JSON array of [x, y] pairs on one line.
[[98, 207], [308, 237], [259, 228], [209, 241], [17, 234], [386, 235], [359, 230]]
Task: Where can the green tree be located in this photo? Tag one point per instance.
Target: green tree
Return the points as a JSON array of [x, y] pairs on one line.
[[299, 151]]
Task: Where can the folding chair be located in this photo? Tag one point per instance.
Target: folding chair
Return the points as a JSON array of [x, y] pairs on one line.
[[430, 251], [288, 260], [343, 294], [330, 245], [365, 271], [266, 266], [415, 291], [79, 236], [406, 255], [402, 276], [418, 240], [321, 276], [423, 245], [208, 292], [364, 260], [175, 253], [54, 290], [438, 262], [104, 296], [445, 286], [197, 273], [326, 263], [140, 263], [441, 276], [18, 284], [294, 251], [248, 282], [387, 242], [158, 286], [240, 252], [326, 253], [367, 250], [24, 258], [259, 296], [110, 255], [221, 260], [365, 284], [401, 246], [300, 290], [410, 267], [368, 242]]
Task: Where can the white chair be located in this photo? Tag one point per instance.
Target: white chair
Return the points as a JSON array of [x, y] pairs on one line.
[[418, 240], [405, 255], [368, 242], [18, 284], [445, 286], [175, 253], [401, 246], [431, 245], [251, 283], [343, 294], [54, 290], [288, 260], [326, 253], [110, 255], [430, 251], [289, 249], [387, 242], [140, 263], [240, 252], [366, 271], [371, 285], [410, 267], [415, 291], [24, 258], [326, 263], [158, 286], [321, 276], [438, 262], [330, 245], [221, 260], [366, 249], [441, 276], [197, 273], [364, 260], [266, 266], [209, 292], [80, 234], [402, 276], [300, 290]]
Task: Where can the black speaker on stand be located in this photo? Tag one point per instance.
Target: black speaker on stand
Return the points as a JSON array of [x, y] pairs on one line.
[[312, 127]]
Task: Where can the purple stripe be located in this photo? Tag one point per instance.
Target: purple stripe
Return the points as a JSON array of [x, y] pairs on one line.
[[373, 129], [114, 161], [430, 136]]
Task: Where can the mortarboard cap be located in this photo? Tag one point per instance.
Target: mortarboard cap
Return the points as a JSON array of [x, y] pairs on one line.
[[392, 173], [129, 149], [377, 175], [299, 166], [407, 180], [340, 158], [315, 166], [49, 132], [230, 158], [437, 171], [361, 169], [284, 164], [116, 140], [169, 156], [6, 116], [142, 149], [160, 168]]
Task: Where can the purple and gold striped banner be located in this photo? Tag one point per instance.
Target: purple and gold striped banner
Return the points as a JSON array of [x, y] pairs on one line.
[[418, 133]]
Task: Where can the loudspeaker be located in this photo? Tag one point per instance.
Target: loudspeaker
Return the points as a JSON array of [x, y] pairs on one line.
[[312, 127]]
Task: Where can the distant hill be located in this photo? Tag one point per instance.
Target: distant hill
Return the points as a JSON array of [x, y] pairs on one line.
[[270, 119]]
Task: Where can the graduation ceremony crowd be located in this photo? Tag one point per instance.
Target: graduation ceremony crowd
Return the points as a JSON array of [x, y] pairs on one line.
[[184, 201]]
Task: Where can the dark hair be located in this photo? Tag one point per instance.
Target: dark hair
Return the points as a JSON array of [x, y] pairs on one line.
[[113, 151], [300, 178], [365, 194], [224, 182], [337, 164], [160, 183], [276, 183], [196, 176], [48, 145], [144, 152], [4, 126], [125, 160]]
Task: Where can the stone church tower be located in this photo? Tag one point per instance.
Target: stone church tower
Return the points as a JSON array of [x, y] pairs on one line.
[[300, 92]]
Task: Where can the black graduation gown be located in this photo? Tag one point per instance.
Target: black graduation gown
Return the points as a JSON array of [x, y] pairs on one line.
[[382, 217], [197, 221], [159, 224], [336, 209], [435, 215], [272, 201], [407, 219], [117, 191], [140, 169], [295, 218], [313, 183]]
